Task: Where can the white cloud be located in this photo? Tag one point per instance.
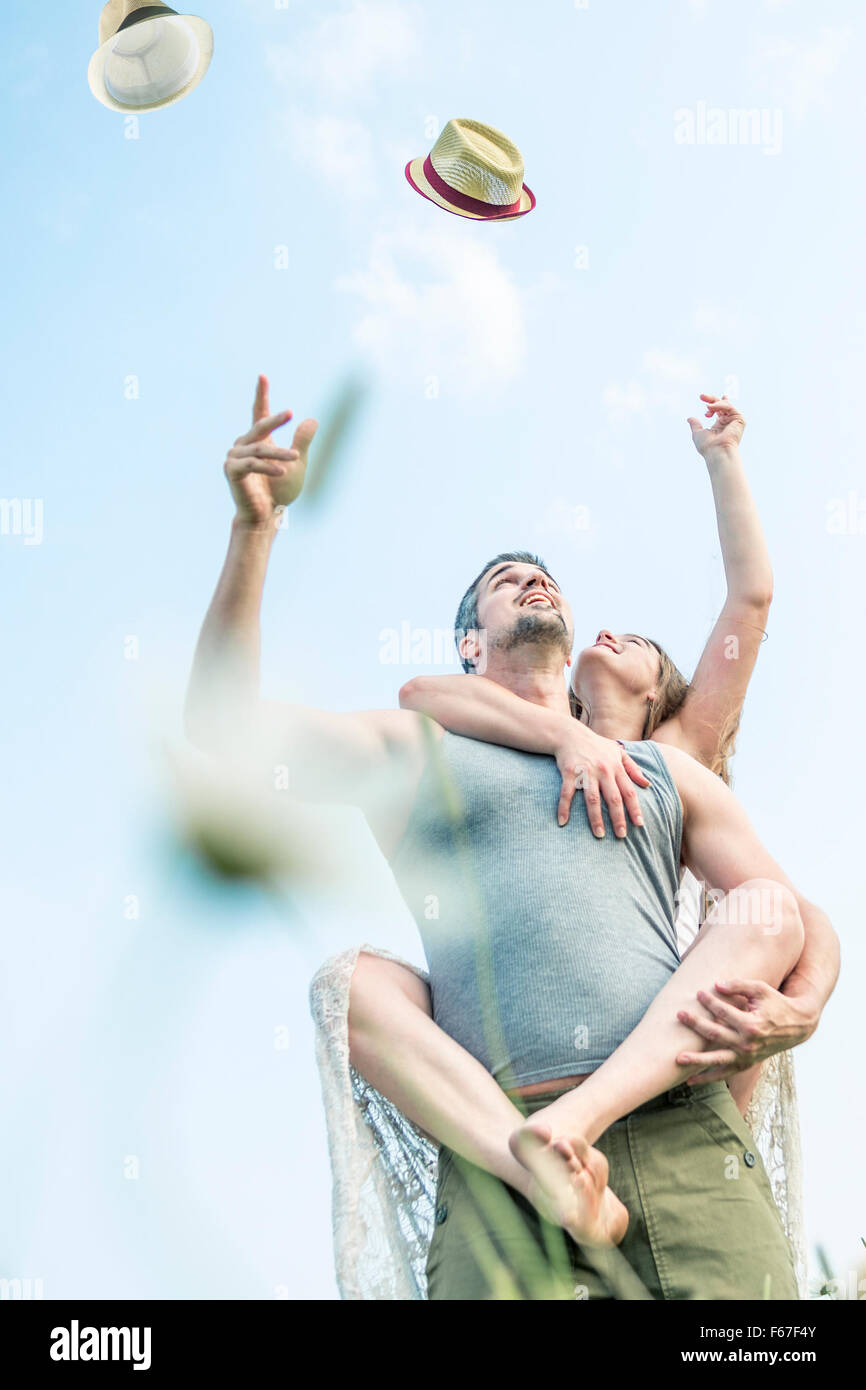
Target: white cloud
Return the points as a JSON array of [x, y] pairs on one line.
[[798, 71], [712, 318], [339, 150], [550, 282], [724, 322], [348, 53], [621, 402], [669, 367], [437, 306], [665, 381]]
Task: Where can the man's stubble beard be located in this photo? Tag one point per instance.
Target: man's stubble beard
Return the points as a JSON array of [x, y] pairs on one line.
[[545, 630]]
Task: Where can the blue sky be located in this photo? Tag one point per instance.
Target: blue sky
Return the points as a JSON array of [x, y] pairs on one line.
[[515, 373]]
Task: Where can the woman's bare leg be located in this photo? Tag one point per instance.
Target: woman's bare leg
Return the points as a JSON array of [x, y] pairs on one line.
[[742, 1085], [396, 1045], [736, 939], [442, 1088]]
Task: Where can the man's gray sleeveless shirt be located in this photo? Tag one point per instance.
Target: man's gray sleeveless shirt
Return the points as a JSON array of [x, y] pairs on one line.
[[545, 945]]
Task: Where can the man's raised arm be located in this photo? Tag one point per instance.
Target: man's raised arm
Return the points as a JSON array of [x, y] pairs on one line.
[[336, 757]]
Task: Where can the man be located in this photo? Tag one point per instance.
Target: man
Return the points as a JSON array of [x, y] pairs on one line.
[[381, 761]]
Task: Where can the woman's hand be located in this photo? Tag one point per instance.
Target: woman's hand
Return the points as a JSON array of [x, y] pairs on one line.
[[264, 478], [475, 707], [748, 1021], [725, 432], [603, 769]]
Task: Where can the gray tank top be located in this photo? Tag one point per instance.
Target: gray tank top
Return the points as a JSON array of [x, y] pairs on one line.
[[545, 946]]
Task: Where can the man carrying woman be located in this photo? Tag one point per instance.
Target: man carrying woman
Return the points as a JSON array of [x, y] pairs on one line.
[[544, 930]]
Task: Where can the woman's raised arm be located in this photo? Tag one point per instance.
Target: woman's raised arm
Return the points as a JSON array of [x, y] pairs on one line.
[[711, 711]]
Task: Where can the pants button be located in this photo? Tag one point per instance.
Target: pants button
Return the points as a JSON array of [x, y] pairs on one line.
[[442, 1212], [749, 1159]]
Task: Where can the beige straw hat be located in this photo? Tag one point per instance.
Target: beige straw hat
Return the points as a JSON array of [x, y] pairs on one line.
[[475, 171], [142, 69]]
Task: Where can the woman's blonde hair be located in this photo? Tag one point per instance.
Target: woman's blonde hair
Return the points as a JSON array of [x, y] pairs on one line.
[[671, 691]]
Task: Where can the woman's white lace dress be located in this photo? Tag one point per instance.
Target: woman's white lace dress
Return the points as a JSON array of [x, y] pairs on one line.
[[384, 1168]]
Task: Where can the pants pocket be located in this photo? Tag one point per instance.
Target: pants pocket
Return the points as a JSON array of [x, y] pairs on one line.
[[716, 1229], [719, 1115], [717, 1112]]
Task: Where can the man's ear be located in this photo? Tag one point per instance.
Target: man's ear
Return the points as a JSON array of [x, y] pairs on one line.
[[469, 647]]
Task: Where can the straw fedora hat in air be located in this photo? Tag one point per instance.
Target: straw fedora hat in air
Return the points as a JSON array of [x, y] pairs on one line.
[[137, 69], [475, 171]]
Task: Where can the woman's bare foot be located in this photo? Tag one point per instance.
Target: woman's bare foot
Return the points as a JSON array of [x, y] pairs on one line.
[[569, 1184]]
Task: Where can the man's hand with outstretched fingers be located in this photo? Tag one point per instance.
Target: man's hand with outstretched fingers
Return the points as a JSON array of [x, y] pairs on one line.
[[263, 477], [748, 1021]]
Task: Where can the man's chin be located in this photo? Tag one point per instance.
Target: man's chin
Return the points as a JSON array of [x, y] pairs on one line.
[[545, 628]]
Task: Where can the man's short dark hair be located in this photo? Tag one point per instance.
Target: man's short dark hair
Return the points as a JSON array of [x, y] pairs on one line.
[[467, 613]]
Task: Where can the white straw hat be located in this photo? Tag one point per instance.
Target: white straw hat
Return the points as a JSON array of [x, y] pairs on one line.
[[475, 171], [149, 55]]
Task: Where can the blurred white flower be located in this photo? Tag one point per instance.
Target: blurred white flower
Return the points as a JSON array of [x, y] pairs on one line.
[[239, 824]]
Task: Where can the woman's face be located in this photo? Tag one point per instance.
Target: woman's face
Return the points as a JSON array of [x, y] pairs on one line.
[[617, 660]]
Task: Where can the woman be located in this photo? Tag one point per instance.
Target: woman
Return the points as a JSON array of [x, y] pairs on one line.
[[389, 1000]]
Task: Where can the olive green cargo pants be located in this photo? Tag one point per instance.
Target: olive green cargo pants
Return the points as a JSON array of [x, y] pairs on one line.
[[703, 1223]]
